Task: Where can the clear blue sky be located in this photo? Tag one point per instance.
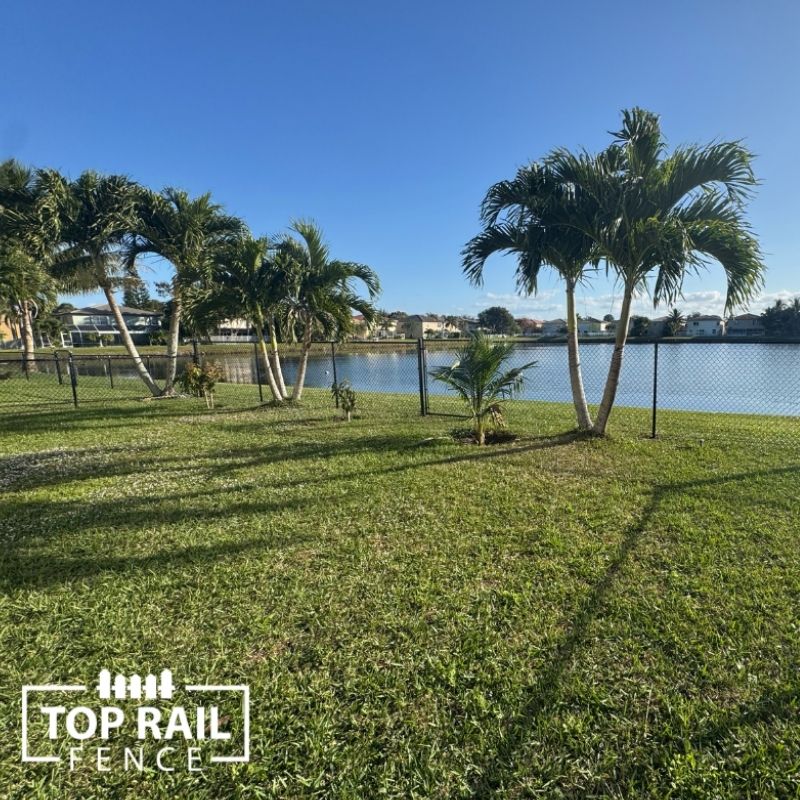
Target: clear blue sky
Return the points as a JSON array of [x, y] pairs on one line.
[[387, 121]]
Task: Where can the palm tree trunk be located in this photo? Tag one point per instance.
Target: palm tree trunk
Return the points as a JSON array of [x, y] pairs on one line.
[[28, 344], [612, 381], [125, 335], [173, 339], [573, 356], [273, 386], [299, 383], [276, 361]]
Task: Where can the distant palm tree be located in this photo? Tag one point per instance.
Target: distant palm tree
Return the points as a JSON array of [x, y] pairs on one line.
[[534, 216], [321, 296], [675, 322], [479, 377], [95, 215], [188, 233], [664, 216]]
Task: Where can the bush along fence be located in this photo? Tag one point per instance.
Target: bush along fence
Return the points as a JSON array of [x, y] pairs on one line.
[[665, 384]]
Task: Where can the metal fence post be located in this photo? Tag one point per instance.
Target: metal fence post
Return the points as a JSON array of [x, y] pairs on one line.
[[73, 379], [195, 353], [58, 368], [333, 363], [655, 391], [423, 400], [26, 365], [110, 373], [258, 373]]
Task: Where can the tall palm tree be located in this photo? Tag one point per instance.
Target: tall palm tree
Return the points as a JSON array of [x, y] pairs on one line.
[[664, 216], [187, 232], [532, 216], [321, 296], [96, 215], [243, 285], [26, 247], [675, 321], [481, 379]]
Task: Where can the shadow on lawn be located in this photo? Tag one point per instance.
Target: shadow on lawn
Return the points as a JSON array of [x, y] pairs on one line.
[[538, 697], [38, 573]]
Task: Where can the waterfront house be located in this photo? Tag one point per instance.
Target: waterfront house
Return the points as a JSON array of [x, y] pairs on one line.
[[96, 325], [419, 326], [554, 327], [530, 327], [745, 325], [590, 326], [704, 325]]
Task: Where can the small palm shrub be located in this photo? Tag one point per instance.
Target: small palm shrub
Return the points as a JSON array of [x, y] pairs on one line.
[[481, 379], [345, 396], [199, 380]]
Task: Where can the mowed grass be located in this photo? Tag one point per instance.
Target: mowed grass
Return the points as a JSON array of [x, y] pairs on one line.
[[553, 617]]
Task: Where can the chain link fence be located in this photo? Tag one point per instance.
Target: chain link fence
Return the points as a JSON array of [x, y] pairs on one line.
[[669, 388]]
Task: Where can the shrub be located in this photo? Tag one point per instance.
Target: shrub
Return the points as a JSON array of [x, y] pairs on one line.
[[199, 380], [345, 396]]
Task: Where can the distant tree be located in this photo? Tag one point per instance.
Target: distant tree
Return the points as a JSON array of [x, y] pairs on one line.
[[675, 321], [782, 319], [608, 318], [498, 320], [639, 326], [135, 294]]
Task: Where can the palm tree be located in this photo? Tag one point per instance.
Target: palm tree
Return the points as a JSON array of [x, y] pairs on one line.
[[187, 232], [663, 216], [321, 296], [479, 377], [96, 215], [26, 246], [243, 285], [533, 217], [675, 321]]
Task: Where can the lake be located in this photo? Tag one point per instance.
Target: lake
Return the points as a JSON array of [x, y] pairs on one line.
[[745, 377]]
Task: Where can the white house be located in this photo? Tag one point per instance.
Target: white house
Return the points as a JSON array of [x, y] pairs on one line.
[[96, 324], [233, 330], [554, 327], [592, 327], [704, 325], [745, 325]]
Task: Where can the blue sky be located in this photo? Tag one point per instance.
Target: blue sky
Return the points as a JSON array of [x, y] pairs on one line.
[[386, 122]]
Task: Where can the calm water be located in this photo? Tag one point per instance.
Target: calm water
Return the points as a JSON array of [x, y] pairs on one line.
[[746, 377]]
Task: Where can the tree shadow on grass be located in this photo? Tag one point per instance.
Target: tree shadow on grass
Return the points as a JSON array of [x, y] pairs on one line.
[[52, 468], [538, 697], [37, 573]]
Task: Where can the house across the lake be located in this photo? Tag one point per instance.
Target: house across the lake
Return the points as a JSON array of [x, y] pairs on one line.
[[745, 325], [94, 325], [419, 326], [554, 327], [704, 325], [589, 326]]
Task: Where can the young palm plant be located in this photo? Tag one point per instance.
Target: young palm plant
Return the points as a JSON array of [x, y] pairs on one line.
[[532, 216], [663, 216], [481, 379]]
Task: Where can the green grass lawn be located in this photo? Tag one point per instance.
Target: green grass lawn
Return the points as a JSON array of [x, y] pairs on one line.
[[415, 617]]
